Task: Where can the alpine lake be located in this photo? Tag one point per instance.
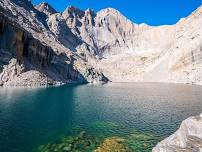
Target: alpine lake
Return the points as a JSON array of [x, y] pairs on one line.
[[125, 117]]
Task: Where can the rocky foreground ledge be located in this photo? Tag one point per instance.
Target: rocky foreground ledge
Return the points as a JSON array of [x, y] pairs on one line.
[[188, 138]]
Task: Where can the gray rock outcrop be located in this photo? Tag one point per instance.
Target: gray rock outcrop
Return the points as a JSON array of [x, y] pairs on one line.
[[188, 138]]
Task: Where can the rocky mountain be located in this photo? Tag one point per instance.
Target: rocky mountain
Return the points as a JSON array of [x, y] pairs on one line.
[[45, 8], [144, 53], [188, 138], [32, 54], [40, 46]]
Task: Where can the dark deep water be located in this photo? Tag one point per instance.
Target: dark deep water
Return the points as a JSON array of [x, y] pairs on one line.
[[31, 117]]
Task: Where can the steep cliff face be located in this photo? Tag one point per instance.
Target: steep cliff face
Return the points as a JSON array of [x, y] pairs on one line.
[[129, 52], [186, 139], [58, 26], [185, 62], [33, 55], [25, 53], [65, 46], [22, 45], [110, 33]]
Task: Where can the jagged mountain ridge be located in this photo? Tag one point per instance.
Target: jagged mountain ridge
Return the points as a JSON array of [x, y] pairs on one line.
[[109, 43], [134, 52], [45, 8], [130, 52]]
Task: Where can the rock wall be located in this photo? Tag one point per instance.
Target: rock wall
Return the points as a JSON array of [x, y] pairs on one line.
[[44, 50], [31, 54], [22, 45]]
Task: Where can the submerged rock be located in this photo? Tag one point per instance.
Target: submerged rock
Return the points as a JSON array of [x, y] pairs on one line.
[[142, 141], [113, 144], [188, 138], [103, 141], [80, 143]]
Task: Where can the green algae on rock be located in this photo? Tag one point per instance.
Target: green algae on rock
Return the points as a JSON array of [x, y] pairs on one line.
[[80, 143], [103, 136], [83, 142], [113, 144]]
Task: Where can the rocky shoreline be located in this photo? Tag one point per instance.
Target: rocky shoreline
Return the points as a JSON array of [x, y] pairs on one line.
[[188, 138]]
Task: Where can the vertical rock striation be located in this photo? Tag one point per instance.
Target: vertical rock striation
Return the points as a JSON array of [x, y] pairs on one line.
[[32, 52]]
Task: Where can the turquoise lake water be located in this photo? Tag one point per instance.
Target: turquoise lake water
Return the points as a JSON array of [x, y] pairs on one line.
[[33, 117]]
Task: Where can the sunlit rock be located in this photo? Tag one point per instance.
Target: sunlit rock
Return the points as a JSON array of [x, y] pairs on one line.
[[187, 138]]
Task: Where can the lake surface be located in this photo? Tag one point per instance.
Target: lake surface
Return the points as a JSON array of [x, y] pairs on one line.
[[32, 117]]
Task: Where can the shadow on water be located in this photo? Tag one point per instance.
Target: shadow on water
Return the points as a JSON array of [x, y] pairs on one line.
[[29, 117]]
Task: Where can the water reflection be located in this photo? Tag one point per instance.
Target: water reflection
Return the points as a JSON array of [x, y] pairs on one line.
[[31, 117]]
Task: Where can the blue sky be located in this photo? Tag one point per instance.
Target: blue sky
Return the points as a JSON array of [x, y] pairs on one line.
[[152, 12]]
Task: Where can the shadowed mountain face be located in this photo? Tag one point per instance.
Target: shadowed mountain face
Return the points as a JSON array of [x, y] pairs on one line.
[[96, 46], [34, 51]]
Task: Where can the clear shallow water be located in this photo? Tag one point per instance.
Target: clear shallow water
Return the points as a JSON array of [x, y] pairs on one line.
[[31, 117]]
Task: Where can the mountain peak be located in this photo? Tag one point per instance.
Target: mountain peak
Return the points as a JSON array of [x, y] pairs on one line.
[[89, 10], [46, 8], [71, 11], [112, 12], [113, 15], [109, 10]]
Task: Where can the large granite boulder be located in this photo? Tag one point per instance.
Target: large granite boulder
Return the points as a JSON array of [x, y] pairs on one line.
[[188, 138]]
